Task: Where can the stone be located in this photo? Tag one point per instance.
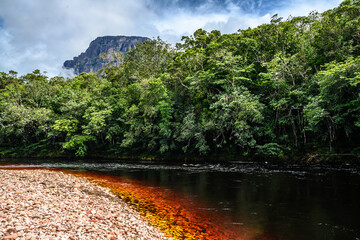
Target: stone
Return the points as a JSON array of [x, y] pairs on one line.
[[13, 236], [10, 230], [89, 61]]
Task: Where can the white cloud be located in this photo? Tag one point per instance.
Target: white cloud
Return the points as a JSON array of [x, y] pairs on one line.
[[42, 34], [304, 7], [187, 23]]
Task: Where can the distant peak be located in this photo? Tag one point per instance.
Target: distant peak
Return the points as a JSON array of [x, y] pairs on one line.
[[89, 61]]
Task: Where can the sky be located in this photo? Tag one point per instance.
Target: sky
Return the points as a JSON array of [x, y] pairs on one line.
[[42, 34]]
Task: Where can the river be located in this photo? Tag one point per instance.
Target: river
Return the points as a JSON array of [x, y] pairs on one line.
[[290, 202]]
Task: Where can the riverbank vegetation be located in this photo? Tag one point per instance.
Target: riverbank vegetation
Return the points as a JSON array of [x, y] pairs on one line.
[[283, 89]]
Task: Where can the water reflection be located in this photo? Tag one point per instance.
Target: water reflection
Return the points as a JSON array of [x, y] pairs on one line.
[[283, 202]]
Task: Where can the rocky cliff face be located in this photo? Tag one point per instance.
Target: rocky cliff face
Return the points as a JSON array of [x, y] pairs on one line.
[[90, 60]]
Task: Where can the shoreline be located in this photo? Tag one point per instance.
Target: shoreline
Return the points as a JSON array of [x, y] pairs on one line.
[[311, 160], [165, 214], [45, 204]]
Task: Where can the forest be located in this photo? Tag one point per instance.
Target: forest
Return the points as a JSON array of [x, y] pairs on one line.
[[289, 89]]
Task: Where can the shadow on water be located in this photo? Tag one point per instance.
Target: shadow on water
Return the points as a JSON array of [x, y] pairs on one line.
[[259, 201]]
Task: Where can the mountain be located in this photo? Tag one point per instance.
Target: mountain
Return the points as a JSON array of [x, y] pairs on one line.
[[90, 61]]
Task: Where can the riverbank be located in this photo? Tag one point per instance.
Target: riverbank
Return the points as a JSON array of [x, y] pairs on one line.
[[42, 204], [306, 158]]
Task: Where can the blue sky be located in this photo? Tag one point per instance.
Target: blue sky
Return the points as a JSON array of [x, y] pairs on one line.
[[42, 34]]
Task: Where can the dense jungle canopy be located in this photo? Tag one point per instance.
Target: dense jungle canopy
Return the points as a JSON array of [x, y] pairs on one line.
[[289, 88]]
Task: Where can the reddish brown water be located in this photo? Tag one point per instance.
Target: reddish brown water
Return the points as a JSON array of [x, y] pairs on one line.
[[176, 214], [233, 200]]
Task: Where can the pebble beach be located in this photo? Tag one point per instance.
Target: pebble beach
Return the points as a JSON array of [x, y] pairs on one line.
[[43, 204]]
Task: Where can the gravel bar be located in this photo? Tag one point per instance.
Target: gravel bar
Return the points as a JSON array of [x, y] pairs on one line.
[[43, 204]]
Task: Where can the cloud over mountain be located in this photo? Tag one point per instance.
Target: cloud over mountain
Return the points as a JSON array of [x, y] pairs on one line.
[[41, 34]]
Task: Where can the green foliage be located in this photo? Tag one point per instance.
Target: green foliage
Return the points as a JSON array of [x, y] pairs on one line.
[[77, 143], [270, 150], [66, 125], [314, 114], [235, 113], [289, 87]]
